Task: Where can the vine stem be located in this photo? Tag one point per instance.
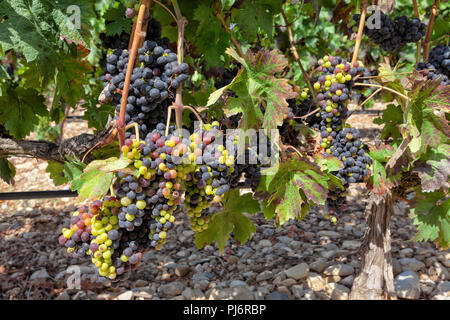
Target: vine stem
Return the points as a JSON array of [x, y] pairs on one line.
[[384, 75], [195, 113], [130, 66], [360, 31], [382, 87], [293, 148], [167, 9], [419, 43], [178, 105], [297, 58], [369, 97], [222, 21], [426, 43], [307, 115]]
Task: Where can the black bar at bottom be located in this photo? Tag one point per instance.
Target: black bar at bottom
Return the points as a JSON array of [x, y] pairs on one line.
[[37, 194]]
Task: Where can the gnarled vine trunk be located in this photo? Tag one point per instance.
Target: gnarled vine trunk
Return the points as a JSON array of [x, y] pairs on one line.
[[376, 273]]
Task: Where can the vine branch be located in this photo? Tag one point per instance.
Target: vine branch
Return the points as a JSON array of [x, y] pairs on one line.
[[131, 60], [426, 43], [167, 9], [382, 87], [178, 105], [360, 31], [79, 146], [222, 21], [297, 58], [419, 43]]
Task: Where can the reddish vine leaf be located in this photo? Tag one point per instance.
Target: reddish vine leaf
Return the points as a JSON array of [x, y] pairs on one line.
[[264, 65], [292, 185], [435, 171], [231, 219], [256, 85]]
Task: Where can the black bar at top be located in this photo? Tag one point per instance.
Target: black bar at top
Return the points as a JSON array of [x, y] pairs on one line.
[[24, 195]]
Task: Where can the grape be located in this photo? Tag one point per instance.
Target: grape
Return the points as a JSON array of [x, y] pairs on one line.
[[392, 35]]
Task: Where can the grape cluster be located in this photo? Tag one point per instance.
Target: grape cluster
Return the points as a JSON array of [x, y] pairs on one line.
[[299, 107], [334, 87], [116, 231], [226, 78], [94, 231], [210, 180], [438, 64], [115, 41], [392, 35], [152, 84]]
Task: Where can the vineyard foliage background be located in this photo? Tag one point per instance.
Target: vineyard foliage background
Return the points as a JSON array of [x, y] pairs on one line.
[[57, 63]]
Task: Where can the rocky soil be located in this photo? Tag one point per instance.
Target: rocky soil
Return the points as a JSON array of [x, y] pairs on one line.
[[307, 260]]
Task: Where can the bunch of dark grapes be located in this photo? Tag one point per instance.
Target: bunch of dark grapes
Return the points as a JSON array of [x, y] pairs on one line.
[[116, 41], [348, 148], [226, 78], [250, 160], [299, 107], [392, 35], [334, 89], [152, 84], [210, 179], [438, 65]]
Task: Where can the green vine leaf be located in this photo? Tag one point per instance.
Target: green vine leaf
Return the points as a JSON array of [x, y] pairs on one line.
[[21, 115], [97, 177], [7, 170], [56, 170], [292, 185], [230, 220], [431, 214]]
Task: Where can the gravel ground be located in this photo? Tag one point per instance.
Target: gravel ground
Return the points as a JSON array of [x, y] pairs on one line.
[[307, 260]]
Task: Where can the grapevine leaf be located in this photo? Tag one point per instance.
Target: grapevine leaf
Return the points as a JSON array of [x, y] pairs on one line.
[[392, 117], [247, 22], [329, 164], [264, 66], [118, 26], [117, 21], [379, 158], [268, 209], [285, 181], [434, 172], [3, 73], [20, 117], [431, 214], [66, 15], [7, 170], [210, 38], [231, 219], [94, 182], [70, 77], [386, 73], [113, 164], [26, 26], [56, 170]]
